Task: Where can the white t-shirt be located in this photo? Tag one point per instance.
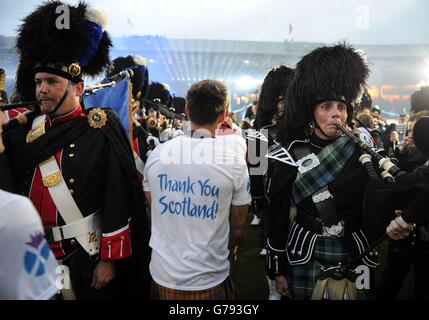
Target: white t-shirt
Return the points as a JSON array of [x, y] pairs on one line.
[[193, 183], [236, 142], [27, 265]]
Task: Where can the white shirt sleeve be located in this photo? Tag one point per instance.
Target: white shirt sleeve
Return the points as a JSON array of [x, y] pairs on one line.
[[27, 265], [241, 194]]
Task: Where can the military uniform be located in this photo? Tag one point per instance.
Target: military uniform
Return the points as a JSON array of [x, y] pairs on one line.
[[77, 165], [318, 172], [96, 164], [299, 249]]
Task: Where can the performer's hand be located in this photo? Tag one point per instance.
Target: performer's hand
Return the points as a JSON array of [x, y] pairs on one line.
[[282, 286], [152, 139], [398, 228], [104, 272]]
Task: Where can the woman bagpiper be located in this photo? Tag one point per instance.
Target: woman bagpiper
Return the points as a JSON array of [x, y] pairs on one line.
[[317, 170]]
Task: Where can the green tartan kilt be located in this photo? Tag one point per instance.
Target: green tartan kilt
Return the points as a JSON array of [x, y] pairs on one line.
[[327, 253]]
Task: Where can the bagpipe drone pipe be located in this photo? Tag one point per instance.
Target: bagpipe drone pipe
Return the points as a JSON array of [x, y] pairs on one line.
[[390, 189]]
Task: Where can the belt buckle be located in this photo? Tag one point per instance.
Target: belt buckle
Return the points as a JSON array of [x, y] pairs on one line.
[[307, 163], [334, 231], [49, 234]]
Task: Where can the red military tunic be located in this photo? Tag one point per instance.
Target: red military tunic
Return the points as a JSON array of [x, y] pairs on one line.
[[92, 172]]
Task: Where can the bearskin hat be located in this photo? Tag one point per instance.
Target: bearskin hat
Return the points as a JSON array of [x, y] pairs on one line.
[[335, 73], [140, 77], [179, 104], [274, 86], [158, 93], [420, 100], [68, 41], [420, 135], [365, 101]]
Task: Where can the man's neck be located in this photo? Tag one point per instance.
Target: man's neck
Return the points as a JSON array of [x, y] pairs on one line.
[[208, 129]]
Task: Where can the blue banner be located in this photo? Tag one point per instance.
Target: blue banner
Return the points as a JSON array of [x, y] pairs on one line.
[[116, 98]]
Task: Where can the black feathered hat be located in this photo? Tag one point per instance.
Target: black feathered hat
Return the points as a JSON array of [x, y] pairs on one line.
[[365, 101], [420, 100], [421, 135], [179, 104], [336, 73], [158, 93], [274, 86], [140, 77], [68, 41]]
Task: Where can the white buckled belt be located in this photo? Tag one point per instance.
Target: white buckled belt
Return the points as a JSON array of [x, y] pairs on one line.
[[77, 228], [63, 200]]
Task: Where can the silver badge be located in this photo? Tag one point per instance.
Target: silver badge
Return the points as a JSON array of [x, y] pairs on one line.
[[307, 163], [334, 231]]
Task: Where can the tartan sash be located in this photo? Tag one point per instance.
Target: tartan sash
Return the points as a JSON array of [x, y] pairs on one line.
[[332, 159]]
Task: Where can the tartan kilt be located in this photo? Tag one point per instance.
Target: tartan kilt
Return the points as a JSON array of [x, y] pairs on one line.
[[223, 291], [327, 253]]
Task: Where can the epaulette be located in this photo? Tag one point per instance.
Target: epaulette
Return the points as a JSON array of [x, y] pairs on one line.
[[253, 135], [279, 153], [97, 118]]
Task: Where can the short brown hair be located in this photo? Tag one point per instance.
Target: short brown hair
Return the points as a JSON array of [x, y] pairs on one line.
[[366, 119], [206, 100]]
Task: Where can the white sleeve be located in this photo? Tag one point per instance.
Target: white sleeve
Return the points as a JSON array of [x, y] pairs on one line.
[[241, 194], [27, 265]]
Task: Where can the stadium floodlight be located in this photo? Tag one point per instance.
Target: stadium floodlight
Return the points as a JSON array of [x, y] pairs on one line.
[[247, 83]]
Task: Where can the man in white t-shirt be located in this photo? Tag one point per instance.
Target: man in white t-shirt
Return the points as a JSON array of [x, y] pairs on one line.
[[198, 187], [27, 265]]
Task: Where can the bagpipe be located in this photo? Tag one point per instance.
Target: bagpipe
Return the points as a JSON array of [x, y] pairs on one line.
[[389, 169], [7, 107], [99, 98], [21, 117], [339, 281], [389, 189]]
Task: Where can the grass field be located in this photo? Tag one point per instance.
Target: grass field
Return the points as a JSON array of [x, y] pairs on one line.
[[250, 280]]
